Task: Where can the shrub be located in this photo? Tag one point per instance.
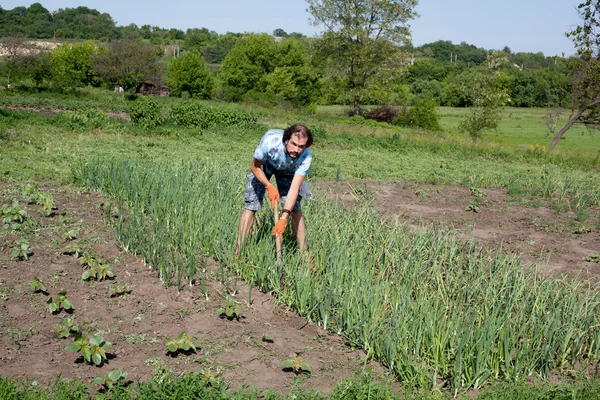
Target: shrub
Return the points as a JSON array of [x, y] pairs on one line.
[[146, 113], [87, 119], [191, 114], [422, 114]]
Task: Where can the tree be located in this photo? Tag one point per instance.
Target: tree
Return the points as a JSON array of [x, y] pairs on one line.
[[362, 38], [71, 65], [15, 50], [127, 62], [585, 69], [189, 73]]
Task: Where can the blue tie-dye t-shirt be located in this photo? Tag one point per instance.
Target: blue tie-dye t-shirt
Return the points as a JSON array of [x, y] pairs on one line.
[[271, 150]]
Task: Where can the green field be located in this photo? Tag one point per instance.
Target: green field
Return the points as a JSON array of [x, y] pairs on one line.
[[411, 301]]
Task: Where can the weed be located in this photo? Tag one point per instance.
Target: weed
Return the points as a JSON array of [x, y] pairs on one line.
[[207, 376], [133, 339], [119, 290]]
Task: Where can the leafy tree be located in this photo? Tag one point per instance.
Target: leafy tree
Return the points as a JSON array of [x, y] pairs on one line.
[[362, 38], [127, 62], [83, 23], [585, 69], [71, 65], [15, 50], [189, 73], [280, 33]]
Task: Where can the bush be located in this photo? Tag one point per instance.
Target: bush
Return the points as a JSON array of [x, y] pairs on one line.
[[146, 112], [422, 114], [88, 119], [192, 114]]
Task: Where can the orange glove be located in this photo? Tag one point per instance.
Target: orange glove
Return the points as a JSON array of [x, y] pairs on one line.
[[273, 195], [280, 228]]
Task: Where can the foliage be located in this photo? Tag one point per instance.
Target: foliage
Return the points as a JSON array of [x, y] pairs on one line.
[[192, 114], [47, 202], [297, 365], [98, 271], [118, 290], [127, 62], [361, 38], [422, 114], [146, 113], [36, 285], [71, 65], [230, 310], [189, 74], [13, 216], [488, 101], [60, 303], [71, 234], [67, 328], [111, 378], [184, 342], [93, 349], [21, 250], [90, 118], [593, 258]]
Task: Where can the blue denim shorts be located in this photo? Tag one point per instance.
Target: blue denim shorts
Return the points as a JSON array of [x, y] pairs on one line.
[[255, 191]]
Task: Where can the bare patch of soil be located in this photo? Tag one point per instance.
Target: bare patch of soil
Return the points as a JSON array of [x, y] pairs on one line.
[[553, 241], [137, 324]]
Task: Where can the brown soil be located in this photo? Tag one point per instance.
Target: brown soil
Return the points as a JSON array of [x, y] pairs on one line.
[[137, 324]]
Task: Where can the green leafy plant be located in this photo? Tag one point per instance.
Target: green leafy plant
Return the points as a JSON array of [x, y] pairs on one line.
[[593, 258], [73, 250], [268, 338], [71, 234], [119, 290], [92, 349], [231, 310], [472, 207], [580, 230], [88, 258], [184, 342], [13, 216], [60, 303], [146, 113], [208, 376], [111, 378], [98, 272], [67, 328], [21, 250], [297, 365], [29, 191], [47, 203], [36, 285]]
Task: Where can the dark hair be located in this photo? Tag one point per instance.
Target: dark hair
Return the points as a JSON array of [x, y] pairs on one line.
[[299, 130]]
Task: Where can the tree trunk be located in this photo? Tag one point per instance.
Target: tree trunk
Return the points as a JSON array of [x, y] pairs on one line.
[[356, 106], [565, 128]]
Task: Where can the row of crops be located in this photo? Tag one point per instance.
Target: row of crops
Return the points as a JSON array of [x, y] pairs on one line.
[[436, 311]]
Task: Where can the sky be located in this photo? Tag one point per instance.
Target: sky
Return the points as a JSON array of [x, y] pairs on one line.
[[522, 25]]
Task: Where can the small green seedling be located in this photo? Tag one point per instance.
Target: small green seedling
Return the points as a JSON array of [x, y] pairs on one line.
[[111, 379], [231, 310], [207, 376], [420, 192], [29, 191], [13, 216], [184, 342], [582, 230], [268, 338], [71, 234], [21, 250], [297, 365], [88, 258], [61, 303], [47, 203], [472, 207], [74, 250], [36, 285], [67, 328], [92, 349], [593, 258], [119, 290], [99, 272]]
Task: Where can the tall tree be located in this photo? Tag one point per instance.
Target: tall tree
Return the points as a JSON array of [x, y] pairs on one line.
[[189, 73], [362, 39], [585, 84]]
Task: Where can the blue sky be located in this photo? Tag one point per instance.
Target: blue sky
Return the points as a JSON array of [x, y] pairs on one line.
[[522, 25]]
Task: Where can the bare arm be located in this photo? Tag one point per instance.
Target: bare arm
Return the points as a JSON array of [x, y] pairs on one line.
[[256, 169], [292, 195]]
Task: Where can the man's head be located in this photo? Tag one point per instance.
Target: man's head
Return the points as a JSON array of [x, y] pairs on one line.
[[296, 139]]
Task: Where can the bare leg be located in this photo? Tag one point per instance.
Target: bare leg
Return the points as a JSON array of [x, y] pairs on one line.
[[299, 229], [246, 222]]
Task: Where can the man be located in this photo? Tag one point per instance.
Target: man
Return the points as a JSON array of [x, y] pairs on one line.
[[284, 154]]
